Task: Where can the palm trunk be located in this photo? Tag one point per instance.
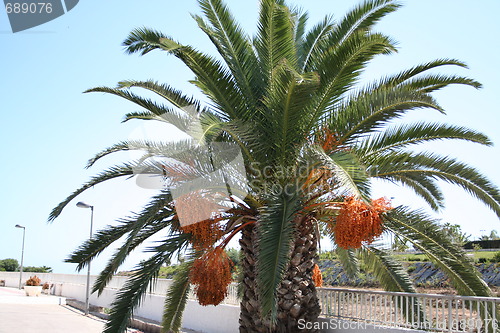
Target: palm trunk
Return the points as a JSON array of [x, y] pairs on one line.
[[297, 298]]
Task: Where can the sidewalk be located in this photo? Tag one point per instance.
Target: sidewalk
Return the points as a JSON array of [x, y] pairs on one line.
[[44, 314], [22, 314]]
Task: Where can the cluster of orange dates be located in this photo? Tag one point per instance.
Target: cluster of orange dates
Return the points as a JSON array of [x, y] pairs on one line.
[[359, 222], [204, 233], [316, 276], [211, 274]]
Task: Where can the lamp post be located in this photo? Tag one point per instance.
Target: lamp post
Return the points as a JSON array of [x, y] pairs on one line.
[[81, 204], [22, 255]]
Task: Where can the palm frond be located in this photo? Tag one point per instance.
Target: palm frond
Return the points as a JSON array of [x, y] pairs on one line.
[[176, 299], [126, 169], [313, 41], [388, 271], [276, 231], [146, 103], [433, 82], [300, 23], [162, 149], [274, 42], [447, 169], [341, 65], [357, 22], [153, 218], [425, 234], [174, 96], [143, 40], [349, 261], [421, 185], [347, 170], [91, 248], [367, 112], [396, 79], [212, 77], [394, 277], [286, 100], [402, 136], [234, 46], [133, 292]]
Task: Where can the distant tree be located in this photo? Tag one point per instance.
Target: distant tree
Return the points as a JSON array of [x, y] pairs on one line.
[[399, 245], [492, 236], [234, 255], [41, 269], [9, 265], [456, 234]]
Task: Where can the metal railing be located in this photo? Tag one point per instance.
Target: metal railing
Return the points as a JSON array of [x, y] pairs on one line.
[[443, 313]]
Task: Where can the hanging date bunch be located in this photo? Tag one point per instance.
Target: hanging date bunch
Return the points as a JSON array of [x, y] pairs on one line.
[[204, 233], [359, 222], [211, 275], [316, 276]]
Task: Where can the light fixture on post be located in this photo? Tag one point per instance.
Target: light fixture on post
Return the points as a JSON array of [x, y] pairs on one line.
[[22, 255], [81, 204]]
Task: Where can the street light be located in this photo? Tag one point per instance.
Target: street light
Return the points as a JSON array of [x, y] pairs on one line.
[[81, 204], [22, 255]]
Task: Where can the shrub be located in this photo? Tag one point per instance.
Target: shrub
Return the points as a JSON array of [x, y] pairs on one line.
[[168, 272], [9, 265], [414, 259], [411, 268], [328, 255], [33, 281], [482, 260], [496, 257], [476, 247]]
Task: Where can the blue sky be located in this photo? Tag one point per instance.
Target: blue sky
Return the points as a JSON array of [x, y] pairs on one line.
[[49, 128]]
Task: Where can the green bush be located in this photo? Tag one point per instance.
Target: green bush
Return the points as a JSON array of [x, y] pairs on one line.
[[411, 268], [496, 257], [168, 272], [36, 269], [9, 265], [482, 260], [328, 255], [414, 259]]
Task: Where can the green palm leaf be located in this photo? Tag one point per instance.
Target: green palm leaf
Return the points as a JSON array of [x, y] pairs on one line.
[[425, 234], [132, 293], [276, 230], [176, 299], [349, 261]]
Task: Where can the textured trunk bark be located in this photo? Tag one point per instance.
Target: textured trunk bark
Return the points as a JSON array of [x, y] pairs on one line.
[[297, 297]]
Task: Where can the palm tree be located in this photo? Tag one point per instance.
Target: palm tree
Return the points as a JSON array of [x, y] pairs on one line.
[[311, 138]]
